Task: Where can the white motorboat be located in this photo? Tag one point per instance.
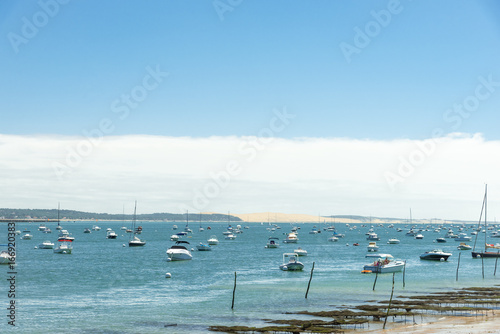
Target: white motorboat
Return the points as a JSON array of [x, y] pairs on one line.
[[333, 239], [230, 236], [213, 240], [174, 227], [393, 241], [27, 236], [46, 245], [463, 237], [373, 237], [441, 240], [42, 227], [386, 265], [174, 237], [63, 248], [110, 234], [291, 238], [300, 252], [419, 236], [272, 242], [464, 246], [435, 255], [179, 252], [5, 258], [372, 246], [96, 228], [293, 264], [87, 230], [64, 236], [203, 247]]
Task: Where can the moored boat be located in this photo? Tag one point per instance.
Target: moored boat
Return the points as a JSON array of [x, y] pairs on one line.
[[293, 264], [383, 266], [435, 255], [179, 252]]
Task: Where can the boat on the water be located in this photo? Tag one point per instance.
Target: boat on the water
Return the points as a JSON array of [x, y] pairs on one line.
[[134, 240], [203, 247], [372, 246], [6, 258], [111, 234], [463, 237], [464, 246], [486, 252], [441, 240], [291, 238], [300, 252], [46, 245], [293, 263], [393, 241], [213, 240], [63, 248], [27, 236], [435, 255], [383, 266], [179, 252], [272, 242]]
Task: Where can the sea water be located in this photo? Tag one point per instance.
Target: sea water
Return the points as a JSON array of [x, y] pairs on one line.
[[104, 286]]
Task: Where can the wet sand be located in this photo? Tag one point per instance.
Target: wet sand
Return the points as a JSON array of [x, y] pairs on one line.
[[449, 324]]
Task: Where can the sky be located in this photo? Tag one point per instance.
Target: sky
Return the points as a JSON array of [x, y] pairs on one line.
[[325, 107]]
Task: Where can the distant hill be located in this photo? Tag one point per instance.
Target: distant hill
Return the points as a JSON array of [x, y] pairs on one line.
[[77, 215]]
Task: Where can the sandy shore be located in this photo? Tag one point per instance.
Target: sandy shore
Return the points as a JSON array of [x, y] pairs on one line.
[[448, 324]]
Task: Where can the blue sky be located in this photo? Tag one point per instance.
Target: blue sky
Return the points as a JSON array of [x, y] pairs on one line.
[[226, 76], [225, 69]]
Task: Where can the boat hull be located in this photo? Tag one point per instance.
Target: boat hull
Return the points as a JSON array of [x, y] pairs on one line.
[[485, 254], [179, 256], [434, 257], [388, 268]]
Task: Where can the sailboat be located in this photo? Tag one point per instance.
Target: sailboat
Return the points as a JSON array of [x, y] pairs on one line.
[[134, 240], [201, 229], [59, 227], [485, 253]]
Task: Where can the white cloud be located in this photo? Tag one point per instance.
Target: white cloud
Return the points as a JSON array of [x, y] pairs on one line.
[[250, 174]]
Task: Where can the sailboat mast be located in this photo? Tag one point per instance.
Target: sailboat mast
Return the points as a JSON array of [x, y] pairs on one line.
[[485, 211], [58, 208]]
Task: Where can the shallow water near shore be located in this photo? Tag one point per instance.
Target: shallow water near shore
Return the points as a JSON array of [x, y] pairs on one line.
[[104, 287]]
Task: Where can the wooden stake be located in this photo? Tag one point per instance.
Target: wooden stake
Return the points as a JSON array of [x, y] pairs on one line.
[[458, 265], [390, 301], [496, 261], [234, 290], [375, 282], [310, 278], [404, 271], [482, 264]]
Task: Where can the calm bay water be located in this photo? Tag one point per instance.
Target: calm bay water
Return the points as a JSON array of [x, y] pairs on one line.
[[104, 287]]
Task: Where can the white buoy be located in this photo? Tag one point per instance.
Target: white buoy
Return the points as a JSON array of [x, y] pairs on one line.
[[168, 275], [478, 256], [169, 259], [123, 245], [441, 259]]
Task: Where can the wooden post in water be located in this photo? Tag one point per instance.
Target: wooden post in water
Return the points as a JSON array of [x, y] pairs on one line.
[[458, 265], [234, 290], [375, 282], [310, 278], [482, 264], [404, 271], [496, 261], [390, 301]]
